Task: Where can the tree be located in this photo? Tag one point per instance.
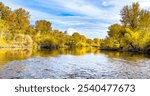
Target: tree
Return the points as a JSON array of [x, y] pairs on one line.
[[3, 27], [144, 40], [19, 20], [75, 37], [97, 42], [43, 26], [114, 30], [31, 30], [4, 12], [130, 15], [144, 21], [132, 39], [78, 40], [59, 36], [89, 42]]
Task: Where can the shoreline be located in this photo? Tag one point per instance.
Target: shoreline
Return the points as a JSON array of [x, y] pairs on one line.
[[102, 49], [127, 50]]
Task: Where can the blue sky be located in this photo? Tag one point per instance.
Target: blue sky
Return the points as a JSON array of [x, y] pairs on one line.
[[88, 17]]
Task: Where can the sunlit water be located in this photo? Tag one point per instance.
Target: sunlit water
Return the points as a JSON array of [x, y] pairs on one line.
[[85, 63]]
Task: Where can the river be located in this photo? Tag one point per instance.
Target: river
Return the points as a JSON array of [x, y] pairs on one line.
[[81, 63]]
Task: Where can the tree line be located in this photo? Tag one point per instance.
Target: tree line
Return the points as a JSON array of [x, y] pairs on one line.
[[132, 34], [16, 31]]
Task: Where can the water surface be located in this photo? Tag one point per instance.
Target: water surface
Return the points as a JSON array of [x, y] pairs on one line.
[[81, 63]]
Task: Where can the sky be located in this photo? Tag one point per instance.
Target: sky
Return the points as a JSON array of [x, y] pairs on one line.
[[88, 17]]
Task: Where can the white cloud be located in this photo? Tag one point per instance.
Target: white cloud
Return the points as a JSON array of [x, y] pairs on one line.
[[105, 3], [82, 7], [91, 19], [70, 31]]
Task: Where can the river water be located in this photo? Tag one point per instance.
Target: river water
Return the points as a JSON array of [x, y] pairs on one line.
[[81, 63]]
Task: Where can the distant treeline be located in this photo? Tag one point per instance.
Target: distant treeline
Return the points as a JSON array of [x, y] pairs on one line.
[[17, 32], [134, 32]]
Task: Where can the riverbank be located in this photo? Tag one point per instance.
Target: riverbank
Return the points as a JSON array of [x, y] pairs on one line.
[[145, 51], [15, 47], [138, 51]]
